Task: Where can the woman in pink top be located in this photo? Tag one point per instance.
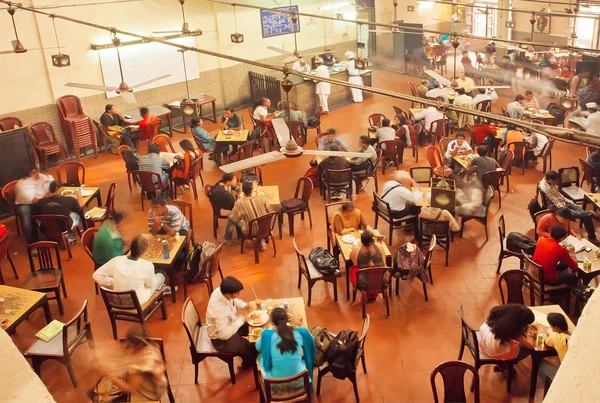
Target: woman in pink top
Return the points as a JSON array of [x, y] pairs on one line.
[[507, 334], [562, 217]]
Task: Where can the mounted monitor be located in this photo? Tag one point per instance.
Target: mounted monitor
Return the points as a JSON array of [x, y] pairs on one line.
[[275, 24]]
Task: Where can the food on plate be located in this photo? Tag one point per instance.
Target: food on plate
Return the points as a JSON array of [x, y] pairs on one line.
[[67, 192], [257, 332]]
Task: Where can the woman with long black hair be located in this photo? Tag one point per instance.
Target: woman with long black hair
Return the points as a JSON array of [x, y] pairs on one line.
[[286, 351]]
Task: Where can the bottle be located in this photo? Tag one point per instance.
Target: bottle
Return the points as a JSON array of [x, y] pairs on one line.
[[79, 196], [177, 236], [286, 306], [539, 344], [165, 250]]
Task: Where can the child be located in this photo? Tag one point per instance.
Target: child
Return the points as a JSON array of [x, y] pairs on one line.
[[559, 340]]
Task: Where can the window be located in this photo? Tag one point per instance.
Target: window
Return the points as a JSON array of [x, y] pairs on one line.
[[484, 19]]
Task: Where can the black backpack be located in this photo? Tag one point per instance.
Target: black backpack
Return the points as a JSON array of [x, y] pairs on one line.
[[193, 262], [534, 207], [323, 261], [341, 353], [517, 242]]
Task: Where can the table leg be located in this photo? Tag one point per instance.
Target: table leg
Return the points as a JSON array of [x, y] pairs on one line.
[[214, 112], [170, 120], [47, 313], [536, 359], [200, 111], [348, 265]]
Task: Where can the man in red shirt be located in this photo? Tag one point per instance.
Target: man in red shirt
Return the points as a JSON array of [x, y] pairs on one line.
[[147, 118], [555, 258]]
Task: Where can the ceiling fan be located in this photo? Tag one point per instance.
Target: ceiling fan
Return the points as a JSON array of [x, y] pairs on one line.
[[123, 89], [17, 44], [291, 57], [185, 28]]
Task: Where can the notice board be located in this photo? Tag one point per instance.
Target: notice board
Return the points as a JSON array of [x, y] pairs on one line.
[[275, 24]]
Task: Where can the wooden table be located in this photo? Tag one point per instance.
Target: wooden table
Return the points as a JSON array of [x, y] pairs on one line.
[[593, 198], [538, 355], [156, 110], [86, 199], [271, 193], [425, 201], [20, 303], [462, 160], [546, 117], [176, 106], [588, 275], [239, 138], [295, 307], [345, 249]]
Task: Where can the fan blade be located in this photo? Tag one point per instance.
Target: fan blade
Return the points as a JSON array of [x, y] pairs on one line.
[[168, 32], [128, 97], [253, 161], [318, 53], [150, 81], [290, 59], [334, 153], [6, 52], [281, 131], [283, 52], [90, 87]]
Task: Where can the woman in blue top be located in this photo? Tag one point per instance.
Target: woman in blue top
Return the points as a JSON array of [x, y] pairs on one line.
[[201, 136], [286, 351]]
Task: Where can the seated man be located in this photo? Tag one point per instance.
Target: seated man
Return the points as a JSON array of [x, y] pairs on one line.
[[246, 209], [427, 116], [555, 259], [555, 200], [463, 98], [55, 203], [222, 197], [561, 217], [423, 88], [437, 91], [399, 195], [108, 241], [325, 142], [516, 109], [537, 142], [385, 132], [482, 164], [465, 82], [153, 162], [530, 100], [457, 147], [333, 162], [28, 191], [364, 164], [226, 327], [231, 120], [124, 273], [166, 220]]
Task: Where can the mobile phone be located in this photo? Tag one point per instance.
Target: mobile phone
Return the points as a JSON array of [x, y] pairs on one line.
[[588, 249]]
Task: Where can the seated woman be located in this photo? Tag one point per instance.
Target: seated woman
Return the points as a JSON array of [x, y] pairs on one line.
[[349, 219], [181, 171], [114, 123], [285, 351], [404, 129], [365, 254], [201, 136], [507, 333]]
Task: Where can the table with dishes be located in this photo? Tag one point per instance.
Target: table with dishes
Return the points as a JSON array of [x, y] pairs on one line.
[[464, 159], [345, 244], [260, 319], [88, 193], [543, 328], [588, 260], [231, 137], [156, 110], [271, 193], [16, 304], [540, 114]]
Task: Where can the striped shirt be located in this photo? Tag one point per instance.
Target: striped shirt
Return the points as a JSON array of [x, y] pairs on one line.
[[173, 218], [247, 209], [515, 110]]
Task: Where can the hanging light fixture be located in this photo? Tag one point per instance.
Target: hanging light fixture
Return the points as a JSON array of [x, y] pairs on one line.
[[237, 37], [17, 45], [455, 44], [291, 148], [532, 20], [189, 107], [61, 59]]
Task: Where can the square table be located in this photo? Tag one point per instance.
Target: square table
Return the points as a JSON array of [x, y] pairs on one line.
[[463, 160], [156, 110], [538, 355], [86, 199], [295, 307], [20, 303], [271, 193], [346, 248], [593, 198], [240, 137]]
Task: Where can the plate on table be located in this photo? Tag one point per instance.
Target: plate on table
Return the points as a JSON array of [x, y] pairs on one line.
[[348, 238], [67, 192], [230, 132], [86, 193], [542, 111], [258, 318]]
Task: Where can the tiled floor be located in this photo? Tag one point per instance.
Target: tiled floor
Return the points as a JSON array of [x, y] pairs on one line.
[[400, 351]]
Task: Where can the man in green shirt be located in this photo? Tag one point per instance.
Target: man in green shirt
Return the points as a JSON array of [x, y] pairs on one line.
[[108, 242]]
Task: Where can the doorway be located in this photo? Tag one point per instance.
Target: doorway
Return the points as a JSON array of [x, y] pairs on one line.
[[484, 19]]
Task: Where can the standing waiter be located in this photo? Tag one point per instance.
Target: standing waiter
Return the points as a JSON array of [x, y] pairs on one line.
[[353, 76], [323, 88]]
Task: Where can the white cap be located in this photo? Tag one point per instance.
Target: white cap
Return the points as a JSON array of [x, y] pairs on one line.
[[591, 105], [349, 55], [318, 60]]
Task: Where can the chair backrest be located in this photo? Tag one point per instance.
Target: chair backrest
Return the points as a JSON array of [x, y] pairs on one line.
[[147, 180], [400, 111], [121, 149], [9, 123], [164, 142], [53, 225], [70, 173], [208, 192], [4, 240], [330, 210], [373, 170], [186, 209], [506, 160], [40, 133], [484, 106], [538, 216], [74, 330], [492, 178], [210, 266], [569, 176], [338, 177], [8, 193], [319, 136], [110, 200], [437, 127], [154, 128], [383, 208], [534, 269], [501, 231], [518, 148], [515, 279], [362, 338], [196, 168], [121, 300], [591, 175], [547, 149], [374, 276], [453, 376], [191, 321], [247, 149], [439, 228], [44, 258], [292, 389], [469, 335], [87, 241], [392, 148], [262, 226], [69, 105], [433, 156], [375, 119], [444, 144], [487, 198], [305, 186], [298, 129], [418, 129], [429, 254], [302, 265]]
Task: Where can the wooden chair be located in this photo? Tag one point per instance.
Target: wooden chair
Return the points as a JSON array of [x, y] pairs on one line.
[[298, 132], [422, 174], [87, 242], [470, 341], [5, 255], [437, 130], [537, 218], [259, 229], [504, 113], [187, 211], [8, 194], [544, 291], [519, 148], [443, 144], [195, 172], [453, 375], [125, 306], [494, 179], [103, 135], [515, 280], [375, 119], [591, 175], [547, 153], [426, 266], [436, 162], [330, 209], [216, 215], [415, 140], [312, 275], [164, 142], [504, 252], [359, 177], [129, 173], [44, 143], [569, 184], [358, 357], [400, 111], [73, 173], [339, 180], [441, 230], [151, 184], [295, 388], [154, 130], [9, 123], [48, 276], [384, 211], [109, 206], [484, 106], [56, 227], [481, 216], [201, 346], [83, 135], [299, 204], [392, 150], [505, 161], [375, 285], [318, 113], [207, 270], [63, 345]]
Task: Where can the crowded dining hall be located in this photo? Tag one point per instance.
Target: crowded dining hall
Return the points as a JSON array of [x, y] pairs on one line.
[[318, 201]]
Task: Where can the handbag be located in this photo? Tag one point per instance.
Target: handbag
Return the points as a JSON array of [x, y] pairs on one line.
[[322, 340], [105, 391], [323, 261]]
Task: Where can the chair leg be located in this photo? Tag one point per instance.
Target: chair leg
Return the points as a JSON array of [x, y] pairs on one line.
[[59, 302], [196, 373], [335, 294], [67, 246], [309, 217], [274, 247], [461, 350], [64, 288], [299, 279], [291, 223], [363, 300], [355, 387], [255, 244], [113, 323], [425, 291], [387, 302], [11, 264], [231, 371], [500, 260], [364, 363], [280, 224], [67, 363], [310, 286]]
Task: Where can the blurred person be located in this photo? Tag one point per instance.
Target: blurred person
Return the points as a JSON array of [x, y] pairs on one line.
[[469, 198], [438, 214], [561, 217], [28, 191], [55, 203], [154, 162], [404, 129], [333, 162], [301, 65], [481, 96], [108, 241], [537, 142], [490, 48], [491, 92], [115, 123], [294, 115], [423, 88], [466, 60], [530, 100], [429, 115], [555, 259], [401, 197], [462, 98], [147, 119], [331, 138], [353, 76], [437, 92], [363, 165], [165, 219], [457, 147], [323, 89], [565, 72]]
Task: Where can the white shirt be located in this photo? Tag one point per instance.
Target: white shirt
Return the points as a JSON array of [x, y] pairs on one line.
[[454, 144], [491, 92], [398, 196], [468, 84], [221, 316], [28, 189], [438, 92], [298, 67], [351, 68], [541, 142], [463, 99], [481, 97], [385, 134], [260, 111], [322, 88], [592, 123], [430, 115], [124, 274]]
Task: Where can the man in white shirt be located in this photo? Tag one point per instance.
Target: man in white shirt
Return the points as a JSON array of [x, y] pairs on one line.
[[401, 198], [323, 89], [301, 65], [592, 122], [457, 147], [481, 96], [225, 327], [462, 98], [465, 82], [124, 273], [429, 115], [491, 91], [353, 76], [28, 191], [385, 133], [437, 92]]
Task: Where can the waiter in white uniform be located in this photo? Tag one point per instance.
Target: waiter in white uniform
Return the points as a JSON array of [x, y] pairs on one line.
[[323, 88], [592, 123], [300, 65], [353, 76]]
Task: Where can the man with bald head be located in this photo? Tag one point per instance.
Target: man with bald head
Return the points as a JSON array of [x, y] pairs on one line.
[[400, 196]]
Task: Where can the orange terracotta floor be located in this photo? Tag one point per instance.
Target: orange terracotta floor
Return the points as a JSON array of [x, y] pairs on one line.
[[400, 351]]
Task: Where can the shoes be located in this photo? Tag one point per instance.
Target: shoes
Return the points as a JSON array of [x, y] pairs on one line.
[[226, 242], [166, 290], [364, 184], [72, 242], [263, 245]]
